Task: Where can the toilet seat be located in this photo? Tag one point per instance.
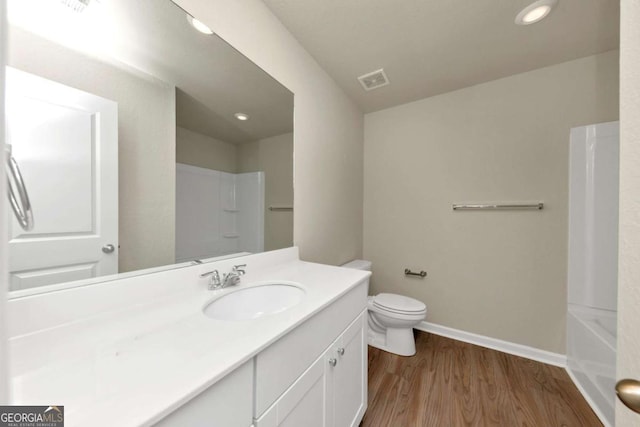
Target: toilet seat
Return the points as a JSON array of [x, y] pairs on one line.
[[398, 304]]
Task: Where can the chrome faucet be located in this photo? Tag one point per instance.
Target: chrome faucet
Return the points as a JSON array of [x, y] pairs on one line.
[[214, 281], [233, 278], [230, 279]]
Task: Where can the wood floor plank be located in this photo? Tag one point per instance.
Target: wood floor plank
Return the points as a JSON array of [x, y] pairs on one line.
[[451, 383], [493, 390]]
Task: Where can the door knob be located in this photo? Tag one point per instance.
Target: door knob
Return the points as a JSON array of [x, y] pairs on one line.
[[341, 351], [107, 249], [333, 362], [629, 393]]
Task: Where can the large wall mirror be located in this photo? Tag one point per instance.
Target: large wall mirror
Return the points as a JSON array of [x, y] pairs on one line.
[[144, 142]]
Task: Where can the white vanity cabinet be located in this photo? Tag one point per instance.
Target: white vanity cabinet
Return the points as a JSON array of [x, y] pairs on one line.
[[317, 374], [332, 392], [164, 362], [313, 376]]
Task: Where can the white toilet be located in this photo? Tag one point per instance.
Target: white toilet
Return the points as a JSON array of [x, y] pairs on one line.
[[392, 318]]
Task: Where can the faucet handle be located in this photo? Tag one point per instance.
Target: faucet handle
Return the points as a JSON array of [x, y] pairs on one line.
[[239, 268], [214, 283], [209, 273]]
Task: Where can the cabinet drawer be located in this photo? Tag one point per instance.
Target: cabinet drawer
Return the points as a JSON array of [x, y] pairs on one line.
[[278, 366], [227, 403]]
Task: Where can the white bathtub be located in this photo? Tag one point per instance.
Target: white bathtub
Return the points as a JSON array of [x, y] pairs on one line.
[[591, 357]]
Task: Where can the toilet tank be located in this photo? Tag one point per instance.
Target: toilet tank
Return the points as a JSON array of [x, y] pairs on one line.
[[358, 264]]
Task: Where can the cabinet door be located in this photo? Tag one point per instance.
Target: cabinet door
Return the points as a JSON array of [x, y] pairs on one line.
[[279, 365], [227, 403], [349, 377], [303, 404]]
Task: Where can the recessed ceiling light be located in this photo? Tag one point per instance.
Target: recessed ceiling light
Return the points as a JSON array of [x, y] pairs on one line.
[[535, 12], [198, 25], [241, 116]]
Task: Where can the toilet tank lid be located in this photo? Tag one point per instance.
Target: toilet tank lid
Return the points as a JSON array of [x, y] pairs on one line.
[[358, 264]]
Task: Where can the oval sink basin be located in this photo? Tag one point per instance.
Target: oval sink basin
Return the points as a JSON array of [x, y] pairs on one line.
[[255, 301]]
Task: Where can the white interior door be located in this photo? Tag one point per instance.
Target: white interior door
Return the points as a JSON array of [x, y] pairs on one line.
[[65, 142], [628, 362]]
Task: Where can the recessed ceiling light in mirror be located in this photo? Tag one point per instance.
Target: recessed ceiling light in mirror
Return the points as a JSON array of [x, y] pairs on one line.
[[535, 12], [199, 25], [241, 116], [76, 5]]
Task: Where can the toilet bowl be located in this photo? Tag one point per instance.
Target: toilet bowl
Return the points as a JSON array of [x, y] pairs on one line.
[[392, 318]]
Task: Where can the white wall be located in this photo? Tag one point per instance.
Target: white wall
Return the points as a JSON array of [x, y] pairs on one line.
[[146, 134], [273, 156], [328, 128], [499, 274], [628, 362], [196, 149]]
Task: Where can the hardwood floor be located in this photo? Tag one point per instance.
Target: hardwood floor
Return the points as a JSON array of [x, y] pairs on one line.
[[451, 383]]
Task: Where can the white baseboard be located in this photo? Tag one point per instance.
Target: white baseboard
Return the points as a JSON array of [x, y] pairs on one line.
[[532, 353]]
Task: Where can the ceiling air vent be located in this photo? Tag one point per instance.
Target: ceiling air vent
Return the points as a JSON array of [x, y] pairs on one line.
[[374, 80]]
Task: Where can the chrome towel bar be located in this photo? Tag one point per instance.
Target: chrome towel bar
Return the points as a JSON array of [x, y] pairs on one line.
[[281, 208], [507, 206]]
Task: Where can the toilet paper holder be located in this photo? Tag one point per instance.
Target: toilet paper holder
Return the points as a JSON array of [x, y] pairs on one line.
[[408, 272]]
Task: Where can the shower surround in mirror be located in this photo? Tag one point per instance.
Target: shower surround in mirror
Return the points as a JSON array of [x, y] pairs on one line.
[[165, 78], [218, 213], [272, 156]]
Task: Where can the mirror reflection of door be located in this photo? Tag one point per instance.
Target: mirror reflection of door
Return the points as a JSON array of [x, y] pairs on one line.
[[66, 143]]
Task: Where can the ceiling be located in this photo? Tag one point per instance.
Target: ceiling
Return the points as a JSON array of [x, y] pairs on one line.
[[429, 47], [213, 80]]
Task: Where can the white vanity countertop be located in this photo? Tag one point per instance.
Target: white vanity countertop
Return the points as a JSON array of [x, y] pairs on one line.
[[135, 365]]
